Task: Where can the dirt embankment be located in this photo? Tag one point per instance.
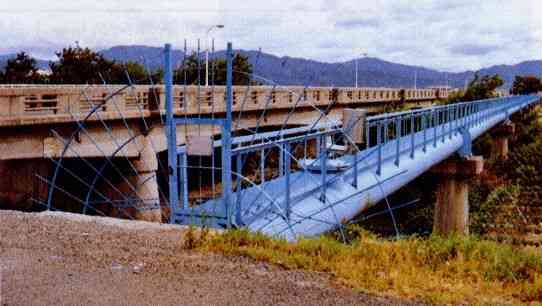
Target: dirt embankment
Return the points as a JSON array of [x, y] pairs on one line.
[[67, 259]]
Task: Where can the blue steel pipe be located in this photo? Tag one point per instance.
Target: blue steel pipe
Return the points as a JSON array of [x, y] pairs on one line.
[[380, 175]]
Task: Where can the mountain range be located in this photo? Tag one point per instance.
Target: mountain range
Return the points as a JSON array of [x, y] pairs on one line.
[[271, 69]]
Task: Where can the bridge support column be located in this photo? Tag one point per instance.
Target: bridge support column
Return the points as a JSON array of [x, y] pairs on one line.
[[354, 126], [20, 186], [500, 144], [452, 198], [147, 206]]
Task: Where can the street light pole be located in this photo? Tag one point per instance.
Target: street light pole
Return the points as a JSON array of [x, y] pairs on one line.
[[357, 72], [218, 26]]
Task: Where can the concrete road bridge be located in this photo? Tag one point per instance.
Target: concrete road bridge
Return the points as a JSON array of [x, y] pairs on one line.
[[36, 121]]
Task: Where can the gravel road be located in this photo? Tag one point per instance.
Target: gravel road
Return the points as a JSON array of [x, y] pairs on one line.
[[68, 259]]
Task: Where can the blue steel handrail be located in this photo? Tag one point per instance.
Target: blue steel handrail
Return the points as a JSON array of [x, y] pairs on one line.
[[477, 117], [444, 121], [433, 125], [449, 119]]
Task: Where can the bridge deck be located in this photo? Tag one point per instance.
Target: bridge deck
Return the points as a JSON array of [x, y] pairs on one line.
[[51, 104]]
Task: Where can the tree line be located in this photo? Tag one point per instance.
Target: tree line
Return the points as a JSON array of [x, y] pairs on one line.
[[85, 66], [485, 87]]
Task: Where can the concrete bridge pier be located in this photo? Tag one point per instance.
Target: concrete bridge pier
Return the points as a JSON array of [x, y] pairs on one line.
[[354, 126], [452, 198], [20, 187], [500, 143], [146, 197]]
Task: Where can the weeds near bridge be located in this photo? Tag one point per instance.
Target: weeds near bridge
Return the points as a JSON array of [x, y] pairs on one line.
[[434, 269]]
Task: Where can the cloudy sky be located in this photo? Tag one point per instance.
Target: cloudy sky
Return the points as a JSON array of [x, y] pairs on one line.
[[448, 35]]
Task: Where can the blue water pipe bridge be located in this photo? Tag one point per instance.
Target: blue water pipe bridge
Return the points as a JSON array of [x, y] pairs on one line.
[[317, 190]]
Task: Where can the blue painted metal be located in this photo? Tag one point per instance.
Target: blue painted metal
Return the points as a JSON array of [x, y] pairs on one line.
[[304, 223], [316, 199], [398, 131], [412, 135], [217, 215], [171, 134], [355, 165], [226, 137], [53, 182], [379, 144], [466, 148], [287, 186], [239, 164], [309, 215], [262, 166], [323, 164]]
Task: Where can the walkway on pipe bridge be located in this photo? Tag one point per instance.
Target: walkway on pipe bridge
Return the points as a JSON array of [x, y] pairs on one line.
[[311, 196]]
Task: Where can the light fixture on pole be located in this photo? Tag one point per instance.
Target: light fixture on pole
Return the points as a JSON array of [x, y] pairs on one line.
[[216, 26]]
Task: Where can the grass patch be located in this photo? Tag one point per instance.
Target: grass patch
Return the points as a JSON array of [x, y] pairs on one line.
[[434, 269]]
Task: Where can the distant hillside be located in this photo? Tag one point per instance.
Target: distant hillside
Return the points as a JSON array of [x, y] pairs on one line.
[[299, 71], [508, 72]]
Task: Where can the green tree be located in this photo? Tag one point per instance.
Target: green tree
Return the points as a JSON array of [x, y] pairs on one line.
[[81, 66], [455, 96], [134, 73], [193, 72], [190, 73], [482, 87], [524, 85], [21, 69], [242, 70], [479, 88], [85, 66]]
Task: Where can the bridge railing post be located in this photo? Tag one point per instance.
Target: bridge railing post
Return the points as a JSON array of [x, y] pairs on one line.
[[262, 165], [355, 166], [226, 137], [323, 162], [386, 127], [287, 162], [171, 134], [398, 131], [379, 144], [239, 169], [424, 127], [443, 126], [434, 117], [412, 134], [367, 135]]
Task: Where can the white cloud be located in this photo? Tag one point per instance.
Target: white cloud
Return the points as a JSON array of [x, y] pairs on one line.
[[451, 35]]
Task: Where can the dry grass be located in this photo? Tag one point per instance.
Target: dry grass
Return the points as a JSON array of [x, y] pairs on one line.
[[435, 270]]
